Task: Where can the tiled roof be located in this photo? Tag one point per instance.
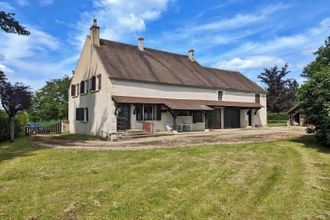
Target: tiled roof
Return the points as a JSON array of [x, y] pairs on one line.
[[127, 62]]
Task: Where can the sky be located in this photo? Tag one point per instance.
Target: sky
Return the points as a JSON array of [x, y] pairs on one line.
[[242, 35]]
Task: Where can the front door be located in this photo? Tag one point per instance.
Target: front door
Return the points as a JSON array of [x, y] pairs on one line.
[[123, 118], [213, 119]]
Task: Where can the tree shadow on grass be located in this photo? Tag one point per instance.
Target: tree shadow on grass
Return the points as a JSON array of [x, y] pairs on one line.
[[21, 147], [310, 142], [65, 139]]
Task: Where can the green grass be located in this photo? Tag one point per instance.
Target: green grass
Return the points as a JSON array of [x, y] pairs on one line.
[[276, 123], [273, 180]]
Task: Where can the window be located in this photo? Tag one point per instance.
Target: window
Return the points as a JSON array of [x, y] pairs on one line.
[[220, 95], [184, 113], [82, 114], [138, 112], [82, 87], [73, 90], [257, 98], [197, 117], [99, 82], [147, 112]]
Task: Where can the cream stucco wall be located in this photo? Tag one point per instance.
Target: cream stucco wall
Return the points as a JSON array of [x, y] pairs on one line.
[[98, 103], [140, 89]]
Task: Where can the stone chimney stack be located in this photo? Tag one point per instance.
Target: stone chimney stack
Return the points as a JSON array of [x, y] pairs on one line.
[[191, 53], [141, 44], [95, 33]]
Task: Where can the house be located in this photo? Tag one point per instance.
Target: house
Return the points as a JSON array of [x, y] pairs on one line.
[[296, 116], [117, 86]]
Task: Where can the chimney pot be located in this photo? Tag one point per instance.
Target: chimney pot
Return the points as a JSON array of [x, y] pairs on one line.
[[95, 33], [191, 54], [141, 43]]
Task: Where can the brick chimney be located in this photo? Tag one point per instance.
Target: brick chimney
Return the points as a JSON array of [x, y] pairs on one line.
[[141, 44], [191, 54], [95, 33]]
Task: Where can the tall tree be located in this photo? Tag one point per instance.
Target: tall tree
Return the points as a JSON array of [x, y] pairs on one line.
[[10, 25], [314, 94], [51, 101], [14, 98], [281, 92]]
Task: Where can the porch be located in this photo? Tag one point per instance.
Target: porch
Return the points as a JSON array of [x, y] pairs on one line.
[[158, 115]]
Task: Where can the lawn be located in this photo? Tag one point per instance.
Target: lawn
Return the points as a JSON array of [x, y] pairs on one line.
[[277, 123], [274, 180]]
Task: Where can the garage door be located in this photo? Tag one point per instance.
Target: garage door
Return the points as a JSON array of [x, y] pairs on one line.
[[232, 118]]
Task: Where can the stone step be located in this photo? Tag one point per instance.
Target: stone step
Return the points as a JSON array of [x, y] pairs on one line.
[[145, 135]]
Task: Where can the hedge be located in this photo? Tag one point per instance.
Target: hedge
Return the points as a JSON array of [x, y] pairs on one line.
[[271, 116]]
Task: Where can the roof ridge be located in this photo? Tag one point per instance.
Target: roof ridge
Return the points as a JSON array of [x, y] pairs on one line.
[[148, 48]]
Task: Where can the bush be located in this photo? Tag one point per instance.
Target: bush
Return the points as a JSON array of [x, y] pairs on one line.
[[20, 123], [282, 116]]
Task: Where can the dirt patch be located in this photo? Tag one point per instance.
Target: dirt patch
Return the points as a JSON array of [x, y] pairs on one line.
[[179, 140]]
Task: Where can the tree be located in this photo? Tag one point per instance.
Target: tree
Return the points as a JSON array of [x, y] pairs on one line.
[[314, 95], [281, 92], [14, 99], [51, 101], [9, 25]]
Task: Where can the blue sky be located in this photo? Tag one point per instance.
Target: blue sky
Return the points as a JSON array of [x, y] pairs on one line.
[[235, 34]]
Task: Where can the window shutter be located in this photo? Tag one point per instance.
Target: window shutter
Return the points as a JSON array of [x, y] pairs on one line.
[[82, 87], [86, 86], [93, 83], [158, 113], [73, 90], [86, 114], [99, 81]]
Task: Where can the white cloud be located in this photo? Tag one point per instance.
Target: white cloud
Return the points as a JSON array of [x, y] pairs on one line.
[[46, 2], [29, 58], [23, 2], [6, 69], [239, 20], [304, 43], [249, 62], [119, 18]]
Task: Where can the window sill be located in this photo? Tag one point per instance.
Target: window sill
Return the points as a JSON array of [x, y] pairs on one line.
[[94, 91], [82, 94]]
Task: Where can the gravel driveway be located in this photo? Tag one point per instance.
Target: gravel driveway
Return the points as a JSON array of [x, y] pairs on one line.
[[248, 135]]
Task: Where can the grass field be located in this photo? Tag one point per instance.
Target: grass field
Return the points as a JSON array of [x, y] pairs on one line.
[[273, 180]]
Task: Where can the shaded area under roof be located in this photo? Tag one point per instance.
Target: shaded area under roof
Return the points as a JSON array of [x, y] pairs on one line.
[[185, 104], [127, 62]]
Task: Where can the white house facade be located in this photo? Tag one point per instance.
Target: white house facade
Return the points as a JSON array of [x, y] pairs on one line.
[[117, 87]]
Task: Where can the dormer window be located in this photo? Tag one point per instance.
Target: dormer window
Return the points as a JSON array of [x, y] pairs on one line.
[[220, 95]]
